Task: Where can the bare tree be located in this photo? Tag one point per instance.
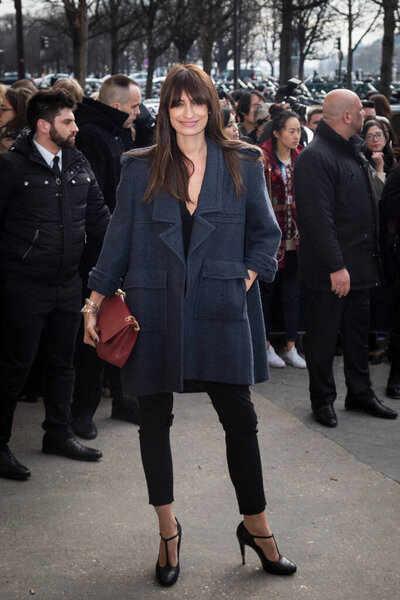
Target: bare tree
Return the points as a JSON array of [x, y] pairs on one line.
[[389, 24], [310, 30], [287, 10], [77, 14], [356, 14], [116, 18], [215, 19], [187, 29]]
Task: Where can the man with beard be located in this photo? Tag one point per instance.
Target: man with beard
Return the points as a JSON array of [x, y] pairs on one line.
[[338, 256], [49, 199]]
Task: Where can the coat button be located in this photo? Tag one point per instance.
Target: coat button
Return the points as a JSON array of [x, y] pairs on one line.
[[73, 181], [58, 181], [46, 182], [26, 182], [88, 179]]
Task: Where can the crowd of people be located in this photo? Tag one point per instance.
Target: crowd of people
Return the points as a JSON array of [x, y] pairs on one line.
[[218, 211]]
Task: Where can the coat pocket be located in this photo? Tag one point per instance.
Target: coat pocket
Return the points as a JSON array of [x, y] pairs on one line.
[[146, 291], [222, 291]]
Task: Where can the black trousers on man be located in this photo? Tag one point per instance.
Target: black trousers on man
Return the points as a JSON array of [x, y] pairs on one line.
[[239, 420], [35, 312], [327, 314]]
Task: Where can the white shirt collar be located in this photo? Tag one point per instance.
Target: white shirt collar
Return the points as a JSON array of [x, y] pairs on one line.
[[48, 156]]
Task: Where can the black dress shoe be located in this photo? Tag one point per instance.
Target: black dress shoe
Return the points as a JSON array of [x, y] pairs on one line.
[[10, 468], [84, 428], [69, 447], [325, 415], [372, 406], [28, 398], [393, 386]]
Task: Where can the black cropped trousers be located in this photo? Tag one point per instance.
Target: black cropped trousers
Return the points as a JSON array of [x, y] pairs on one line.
[[239, 421]]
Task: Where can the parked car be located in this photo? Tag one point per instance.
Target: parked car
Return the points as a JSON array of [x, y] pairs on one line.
[[11, 77], [244, 74]]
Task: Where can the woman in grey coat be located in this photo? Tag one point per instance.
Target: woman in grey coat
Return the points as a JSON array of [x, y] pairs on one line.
[[192, 230]]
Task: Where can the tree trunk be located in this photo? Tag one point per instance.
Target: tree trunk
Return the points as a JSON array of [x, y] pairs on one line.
[[389, 23], [349, 83], [114, 51], [207, 43], [301, 35], [183, 46], [285, 63], [78, 21], [150, 74]]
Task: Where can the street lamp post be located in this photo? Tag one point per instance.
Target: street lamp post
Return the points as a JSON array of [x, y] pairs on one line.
[[20, 40]]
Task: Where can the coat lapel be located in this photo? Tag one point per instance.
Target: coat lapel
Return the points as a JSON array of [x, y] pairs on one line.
[[210, 198], [166, 210]]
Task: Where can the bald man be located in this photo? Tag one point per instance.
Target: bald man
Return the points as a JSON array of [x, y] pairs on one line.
[[338, 256]]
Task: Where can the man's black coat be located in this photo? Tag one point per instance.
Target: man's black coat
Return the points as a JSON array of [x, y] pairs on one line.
[[102, 139], [337, 212]]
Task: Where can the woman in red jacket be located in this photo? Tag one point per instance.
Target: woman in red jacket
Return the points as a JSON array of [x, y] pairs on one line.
[[281, 152]]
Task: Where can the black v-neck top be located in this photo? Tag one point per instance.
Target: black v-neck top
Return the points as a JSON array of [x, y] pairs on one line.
[[187, 226]]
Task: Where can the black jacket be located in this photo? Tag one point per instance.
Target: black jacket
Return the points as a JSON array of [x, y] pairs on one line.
[[337, 212], [102, 139], [44, 219], [389, 207]]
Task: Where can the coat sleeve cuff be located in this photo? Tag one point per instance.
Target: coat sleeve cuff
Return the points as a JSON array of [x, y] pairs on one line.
[[103, 283], [266, 271]]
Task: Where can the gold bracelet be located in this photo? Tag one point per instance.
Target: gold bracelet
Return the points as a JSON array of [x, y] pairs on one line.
[[92, 304], [89, 311]]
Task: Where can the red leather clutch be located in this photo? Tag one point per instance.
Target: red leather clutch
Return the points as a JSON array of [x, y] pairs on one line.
[[117, 330]]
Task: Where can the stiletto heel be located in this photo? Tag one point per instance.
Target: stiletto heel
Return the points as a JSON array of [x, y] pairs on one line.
[[168, 575], [242, 550], [282, 566]]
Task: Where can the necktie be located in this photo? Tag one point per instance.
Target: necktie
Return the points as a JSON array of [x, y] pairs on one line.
[[56, 168]]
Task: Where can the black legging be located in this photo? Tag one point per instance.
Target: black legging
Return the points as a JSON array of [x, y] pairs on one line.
[[239, 420]]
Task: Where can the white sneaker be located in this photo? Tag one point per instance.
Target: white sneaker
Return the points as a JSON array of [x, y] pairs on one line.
[[273, 359], [291, 357]]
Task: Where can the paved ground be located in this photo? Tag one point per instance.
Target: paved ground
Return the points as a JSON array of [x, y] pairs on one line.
[[81, 531]]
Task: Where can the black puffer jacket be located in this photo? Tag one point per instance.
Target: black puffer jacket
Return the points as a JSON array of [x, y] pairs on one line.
[[337, 212], [44, 219]]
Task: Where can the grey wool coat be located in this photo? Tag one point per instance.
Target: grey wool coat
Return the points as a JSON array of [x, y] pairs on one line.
[[196, 320]]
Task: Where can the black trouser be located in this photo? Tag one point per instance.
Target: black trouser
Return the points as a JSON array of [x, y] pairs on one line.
[[327, 314], [239, 420], [35, 312], [286, 286], [89, 374], [394, 345]]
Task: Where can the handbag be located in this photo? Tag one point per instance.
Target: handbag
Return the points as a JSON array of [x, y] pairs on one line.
[[117, 330]]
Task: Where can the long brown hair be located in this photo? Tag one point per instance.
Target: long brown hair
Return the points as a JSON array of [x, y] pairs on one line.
[[170, 169]]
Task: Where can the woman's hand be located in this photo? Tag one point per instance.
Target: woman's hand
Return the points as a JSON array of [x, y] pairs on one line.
[[90, 335], [377, 157], [249, 282]]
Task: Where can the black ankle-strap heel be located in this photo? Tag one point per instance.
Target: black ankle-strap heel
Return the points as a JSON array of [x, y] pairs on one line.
[[282, 566], [168, 575]]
